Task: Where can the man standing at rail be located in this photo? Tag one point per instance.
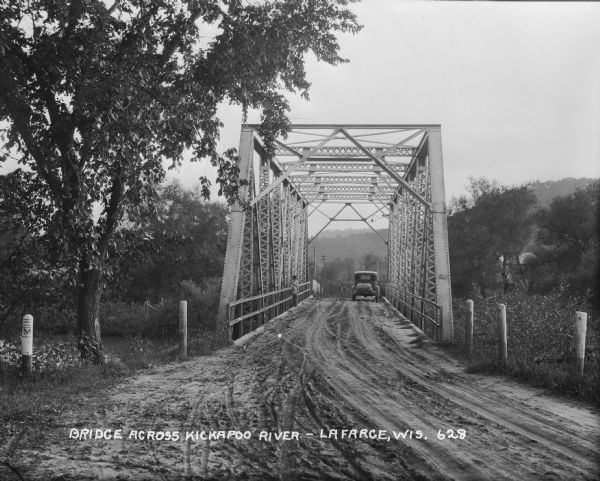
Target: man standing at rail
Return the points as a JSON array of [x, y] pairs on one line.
[[295, 287]]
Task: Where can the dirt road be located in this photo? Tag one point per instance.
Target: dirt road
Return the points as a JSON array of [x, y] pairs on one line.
[[345, 379]]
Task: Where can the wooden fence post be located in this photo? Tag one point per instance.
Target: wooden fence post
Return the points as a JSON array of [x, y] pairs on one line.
[[183, 329], [502, 352], [469, 328], [578, 347], [27, 344]]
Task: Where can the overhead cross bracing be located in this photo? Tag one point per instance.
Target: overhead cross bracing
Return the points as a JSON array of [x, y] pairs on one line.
[[341, 173]]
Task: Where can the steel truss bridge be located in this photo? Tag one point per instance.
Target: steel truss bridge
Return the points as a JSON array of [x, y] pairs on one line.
[[392, 171]]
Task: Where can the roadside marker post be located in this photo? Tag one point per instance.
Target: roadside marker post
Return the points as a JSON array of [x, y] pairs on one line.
[[183, 329], [27, 344], [578, 347], [469, 328], [502, 351]]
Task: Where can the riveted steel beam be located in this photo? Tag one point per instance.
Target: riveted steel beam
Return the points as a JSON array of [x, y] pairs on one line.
[[377, 127], [346, 152], [345, 165]]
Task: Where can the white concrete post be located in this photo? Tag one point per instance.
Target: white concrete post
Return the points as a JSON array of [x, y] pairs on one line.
[[578, 348], [27, 344], [502, 349], [183, 329], [469, 328]]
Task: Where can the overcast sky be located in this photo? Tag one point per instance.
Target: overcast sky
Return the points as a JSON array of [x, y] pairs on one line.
[[516, 86]]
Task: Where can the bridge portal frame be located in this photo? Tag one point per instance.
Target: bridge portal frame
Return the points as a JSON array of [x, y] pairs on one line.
[[268, 239]]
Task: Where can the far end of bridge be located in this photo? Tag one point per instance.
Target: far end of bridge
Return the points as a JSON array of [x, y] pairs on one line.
[[396, 169]]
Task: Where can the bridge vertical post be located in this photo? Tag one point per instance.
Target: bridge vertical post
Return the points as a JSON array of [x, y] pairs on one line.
[[235, 232], [440, 233]]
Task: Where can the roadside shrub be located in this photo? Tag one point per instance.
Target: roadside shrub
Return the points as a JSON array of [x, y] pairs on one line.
[[48, 319], [144, 353], [123, 319], [48, 355], [205, 342], [203, 303], [162, 320], [539, 336]]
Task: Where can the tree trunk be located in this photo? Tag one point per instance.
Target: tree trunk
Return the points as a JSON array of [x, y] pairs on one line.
[[89, 292], [505, 274]]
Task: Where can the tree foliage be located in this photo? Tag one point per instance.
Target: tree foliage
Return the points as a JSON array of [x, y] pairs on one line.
[[487, 233], [337, 270], [28, 279], [185, 242], [499, 231], [568, 244], [98, 95], [371, 262]]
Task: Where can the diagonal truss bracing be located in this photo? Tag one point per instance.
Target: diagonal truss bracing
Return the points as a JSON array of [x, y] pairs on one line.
[[329, 169]]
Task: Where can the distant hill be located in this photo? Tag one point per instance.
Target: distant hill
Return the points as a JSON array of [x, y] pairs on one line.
[[356, 243], [348, 243], [546, 191]]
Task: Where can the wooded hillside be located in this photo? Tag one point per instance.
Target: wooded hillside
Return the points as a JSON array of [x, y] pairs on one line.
[[356, 243]]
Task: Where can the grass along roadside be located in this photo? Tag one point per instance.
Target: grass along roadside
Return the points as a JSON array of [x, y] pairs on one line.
[[539, 332], [34, 409], [61, 382]]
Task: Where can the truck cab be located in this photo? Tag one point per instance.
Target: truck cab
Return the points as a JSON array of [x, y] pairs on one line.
[[365, 285]]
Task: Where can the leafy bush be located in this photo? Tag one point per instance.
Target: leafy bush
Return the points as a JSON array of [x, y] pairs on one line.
[[123, 319], [144, 353], [48, 355], [202, 343], [49, 317], [162, 320], [203, 303]]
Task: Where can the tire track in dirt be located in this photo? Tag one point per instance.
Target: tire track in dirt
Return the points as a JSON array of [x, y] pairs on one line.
[[500, 409], [363, 389], [519, 441], [338, 364], [461, 393], [494, 430]]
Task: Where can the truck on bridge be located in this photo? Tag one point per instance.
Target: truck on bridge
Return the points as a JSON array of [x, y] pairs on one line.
[[365, 285]]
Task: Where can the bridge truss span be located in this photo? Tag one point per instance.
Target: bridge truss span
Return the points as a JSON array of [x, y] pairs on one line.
[[338, 171]]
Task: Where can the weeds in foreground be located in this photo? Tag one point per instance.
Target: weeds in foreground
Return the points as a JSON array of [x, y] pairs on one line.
[[60, 378], [557, 378], [48, 392], [539, 332]]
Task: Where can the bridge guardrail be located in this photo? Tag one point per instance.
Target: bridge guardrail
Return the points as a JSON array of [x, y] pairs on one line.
[[245, 315], [423, 313]]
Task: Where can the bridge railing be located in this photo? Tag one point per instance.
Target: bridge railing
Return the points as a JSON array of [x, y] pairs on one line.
[[245, 315], [421, 312]]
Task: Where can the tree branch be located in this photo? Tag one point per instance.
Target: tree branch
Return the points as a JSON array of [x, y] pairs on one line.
[[112, 8], [61, 128], [75, 11], [16, 249], [171, 46], [19, 113], [112, 209]]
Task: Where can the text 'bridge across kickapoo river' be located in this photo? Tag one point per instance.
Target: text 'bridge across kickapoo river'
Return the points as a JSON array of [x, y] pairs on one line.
[[396, 171]]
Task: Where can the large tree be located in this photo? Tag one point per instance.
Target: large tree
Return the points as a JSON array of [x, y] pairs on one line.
[[98, 94], [568, 244], [488, 232]]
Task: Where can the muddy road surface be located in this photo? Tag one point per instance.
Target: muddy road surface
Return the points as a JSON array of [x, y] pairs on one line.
[[360, 394]]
